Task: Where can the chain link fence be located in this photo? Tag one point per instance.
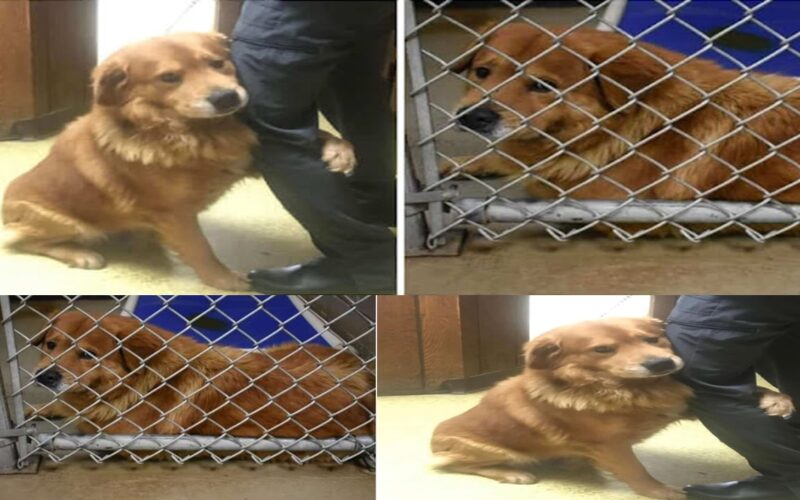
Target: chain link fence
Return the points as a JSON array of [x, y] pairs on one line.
[[447, 190], [181, 377]]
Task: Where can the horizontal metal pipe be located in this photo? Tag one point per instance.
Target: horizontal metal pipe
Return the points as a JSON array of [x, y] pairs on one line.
[[108, 442], [574, 211]]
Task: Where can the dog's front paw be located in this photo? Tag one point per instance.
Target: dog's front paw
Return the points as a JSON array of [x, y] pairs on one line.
[[232, 281], [664, 492], [517, 477], [86, 259], [776, 404], [339, 155]]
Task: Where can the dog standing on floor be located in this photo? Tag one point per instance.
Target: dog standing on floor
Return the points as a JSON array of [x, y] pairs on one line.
[[590, 391], [159, 146]]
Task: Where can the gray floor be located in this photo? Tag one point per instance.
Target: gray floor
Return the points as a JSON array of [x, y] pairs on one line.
[[83, 480]]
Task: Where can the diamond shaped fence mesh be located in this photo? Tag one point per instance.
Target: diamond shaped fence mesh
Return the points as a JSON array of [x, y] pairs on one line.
[[582, 125], [180, 377]]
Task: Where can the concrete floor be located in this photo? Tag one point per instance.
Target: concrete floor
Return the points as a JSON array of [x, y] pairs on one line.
[[535, 264], [248, 228], [119, 480], [682, 454]]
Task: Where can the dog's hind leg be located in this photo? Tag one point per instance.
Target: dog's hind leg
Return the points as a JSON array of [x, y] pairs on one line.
[[502, 474], [71, 254], [36, 229], [467, 456]]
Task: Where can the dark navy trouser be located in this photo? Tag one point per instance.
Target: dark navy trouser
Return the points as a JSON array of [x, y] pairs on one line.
[[725, 341], [296, 59]]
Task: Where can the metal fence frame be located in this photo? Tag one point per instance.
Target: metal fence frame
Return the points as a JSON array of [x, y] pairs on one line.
[[21, 442], [446, 203]]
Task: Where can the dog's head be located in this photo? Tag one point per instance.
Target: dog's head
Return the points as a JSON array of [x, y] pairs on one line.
[[174, 77], [528, 75], [81, 353], [606, 349]]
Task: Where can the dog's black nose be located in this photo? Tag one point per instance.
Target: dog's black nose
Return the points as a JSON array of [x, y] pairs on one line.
[[224, 99], [49, 378], [660, 365], [480, 119]]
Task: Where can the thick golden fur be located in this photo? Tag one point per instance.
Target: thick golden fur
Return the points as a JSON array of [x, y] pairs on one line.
[[150, 155], [128, 382], [625, 70], [573, 402]]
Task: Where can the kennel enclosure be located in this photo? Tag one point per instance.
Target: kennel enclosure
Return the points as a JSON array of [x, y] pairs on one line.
[[249, 323], [750, 36]]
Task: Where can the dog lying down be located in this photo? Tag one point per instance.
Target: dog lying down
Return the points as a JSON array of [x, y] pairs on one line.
[[119, 377], [572, 125], [159, 146], [589, 391]]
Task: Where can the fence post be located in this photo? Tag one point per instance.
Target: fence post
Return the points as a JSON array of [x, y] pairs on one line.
[[434, 214], [8, 449], [416, 231]]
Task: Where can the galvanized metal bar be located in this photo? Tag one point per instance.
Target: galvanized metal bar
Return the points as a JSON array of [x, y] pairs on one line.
[[109, 442], [584, 211], [16, 399]]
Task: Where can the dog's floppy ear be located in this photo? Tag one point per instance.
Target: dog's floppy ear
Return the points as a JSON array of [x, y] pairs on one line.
[[67, 321], [463, 63], [138, 341], [542, 352], [110, 83], [623, 68]]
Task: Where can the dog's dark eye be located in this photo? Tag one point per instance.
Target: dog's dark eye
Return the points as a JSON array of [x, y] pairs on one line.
[[169, 77], [83, 354], [482, 72], [604, 349], [216, 63], [651, 340], [50, 345], [539, 85]]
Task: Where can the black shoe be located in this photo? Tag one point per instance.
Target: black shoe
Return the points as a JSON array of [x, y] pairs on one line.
[[757, 488], [315, 277]]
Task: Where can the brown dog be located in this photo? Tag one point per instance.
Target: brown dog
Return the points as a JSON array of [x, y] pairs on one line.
[[589, 390], [598, 120], [120, 377], [159, 146]]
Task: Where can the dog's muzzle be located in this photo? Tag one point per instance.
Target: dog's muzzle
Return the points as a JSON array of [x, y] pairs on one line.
[[661, 366], [225, 100], [482, 119], [50, 378]]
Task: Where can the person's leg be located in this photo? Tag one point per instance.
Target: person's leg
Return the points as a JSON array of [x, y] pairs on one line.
[[720, 368], [284, 77], [362, 114]]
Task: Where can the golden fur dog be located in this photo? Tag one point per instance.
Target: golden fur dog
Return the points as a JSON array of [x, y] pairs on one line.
[[599, 119], [159, 146], [119, 378], [590, 391]]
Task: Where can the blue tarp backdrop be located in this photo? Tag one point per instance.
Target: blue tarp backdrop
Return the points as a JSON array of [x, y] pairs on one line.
[[748, 43], [263, 323]]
